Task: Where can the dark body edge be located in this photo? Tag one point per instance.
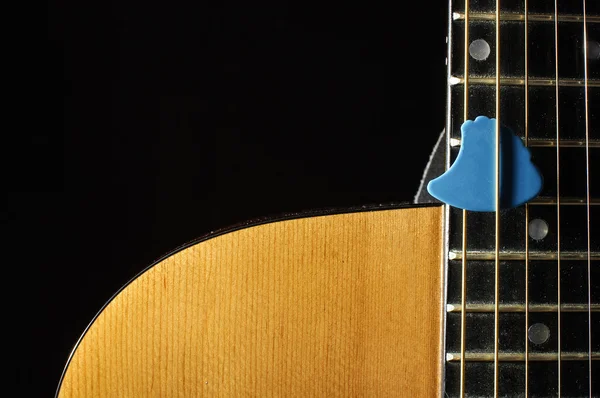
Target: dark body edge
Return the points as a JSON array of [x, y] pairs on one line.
[[236, 227]]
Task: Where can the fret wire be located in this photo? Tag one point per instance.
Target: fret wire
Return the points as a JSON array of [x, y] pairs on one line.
[[526, 60], [517, 356], [545, 143], [557, 190], [587, 172], [518, 255], [546, 200], [517, 81], [518, 308], [497, 215], [463, 316], [515, 17]]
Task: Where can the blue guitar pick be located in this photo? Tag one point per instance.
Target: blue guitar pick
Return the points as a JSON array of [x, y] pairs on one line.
[[470, 182]]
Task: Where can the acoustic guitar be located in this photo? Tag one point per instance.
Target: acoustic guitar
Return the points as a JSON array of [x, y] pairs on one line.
[[475, 296]]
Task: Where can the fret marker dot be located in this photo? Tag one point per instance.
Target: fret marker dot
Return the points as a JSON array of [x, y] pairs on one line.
[[479, 49], [538, 229], [538, 333], [593, 50]]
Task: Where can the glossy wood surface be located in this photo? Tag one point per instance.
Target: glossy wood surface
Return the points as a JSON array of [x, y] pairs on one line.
[[337, 305]]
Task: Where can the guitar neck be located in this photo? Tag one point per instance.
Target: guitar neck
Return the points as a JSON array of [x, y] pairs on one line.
[[547, 92]]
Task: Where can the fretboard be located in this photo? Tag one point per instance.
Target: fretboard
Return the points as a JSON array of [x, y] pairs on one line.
[[544, 339]]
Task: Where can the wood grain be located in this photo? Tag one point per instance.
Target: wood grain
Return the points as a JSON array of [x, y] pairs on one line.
[[339, 305]]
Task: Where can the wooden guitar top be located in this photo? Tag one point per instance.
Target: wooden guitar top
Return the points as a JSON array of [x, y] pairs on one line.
[[335, 305]]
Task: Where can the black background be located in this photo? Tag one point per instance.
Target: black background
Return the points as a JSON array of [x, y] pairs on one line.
[[162, 122]]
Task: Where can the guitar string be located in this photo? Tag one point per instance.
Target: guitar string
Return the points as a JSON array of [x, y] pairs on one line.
[[587, 172], [463, 299], [497, 193], [556, 82], [526, 73]]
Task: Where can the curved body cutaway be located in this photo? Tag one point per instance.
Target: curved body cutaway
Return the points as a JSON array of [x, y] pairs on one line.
[[331, 305]]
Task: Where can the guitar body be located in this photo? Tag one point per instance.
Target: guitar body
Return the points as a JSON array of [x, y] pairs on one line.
[[495, 294], [328, 305]]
